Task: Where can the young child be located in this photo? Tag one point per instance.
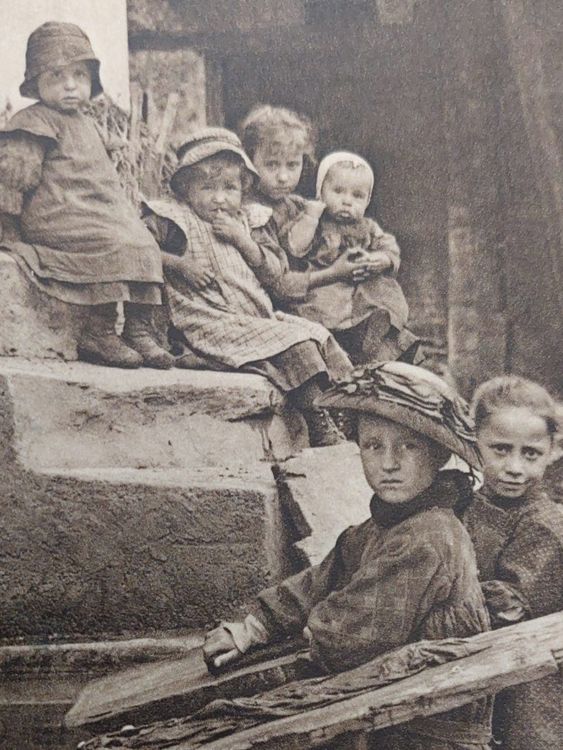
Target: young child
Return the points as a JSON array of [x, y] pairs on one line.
[[213, 293], [82, 242], [517, 532], [408, 573], [340, 265]]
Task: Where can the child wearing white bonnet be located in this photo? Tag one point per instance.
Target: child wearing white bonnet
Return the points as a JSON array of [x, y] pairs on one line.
[[368, 312]]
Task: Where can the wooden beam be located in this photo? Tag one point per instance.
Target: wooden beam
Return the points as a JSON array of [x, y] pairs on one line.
[[181, 686], [496, 660]]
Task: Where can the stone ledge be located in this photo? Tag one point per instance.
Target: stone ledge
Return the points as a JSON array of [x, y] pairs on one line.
[[76, 415]]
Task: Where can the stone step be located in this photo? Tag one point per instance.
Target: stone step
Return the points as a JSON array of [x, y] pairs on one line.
[[126, 551], [76, 415]]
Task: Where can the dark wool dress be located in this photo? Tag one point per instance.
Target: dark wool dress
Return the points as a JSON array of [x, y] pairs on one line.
[[519, 547], [82, 241], [392, 580]]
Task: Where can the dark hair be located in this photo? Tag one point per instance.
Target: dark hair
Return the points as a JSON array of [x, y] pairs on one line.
[[265, 124], [512, 390], [211, 166]]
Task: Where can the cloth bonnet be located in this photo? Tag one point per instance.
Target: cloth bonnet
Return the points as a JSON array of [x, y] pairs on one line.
[[411, 396], [207, 142], [54, 45], [338, 157]]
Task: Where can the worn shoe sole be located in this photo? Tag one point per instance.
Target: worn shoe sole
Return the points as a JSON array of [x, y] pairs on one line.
[[95, 358]]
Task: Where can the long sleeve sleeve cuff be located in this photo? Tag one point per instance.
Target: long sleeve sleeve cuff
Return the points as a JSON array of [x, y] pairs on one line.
[[251, 632]]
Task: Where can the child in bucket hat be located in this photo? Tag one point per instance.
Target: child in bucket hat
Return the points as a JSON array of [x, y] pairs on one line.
[[216, 303], [81, 241], [406, 574]]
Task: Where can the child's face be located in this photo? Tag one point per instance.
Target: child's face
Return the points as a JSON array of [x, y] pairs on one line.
[[346, 192], [279, 170], [398, 462], [218, 191], [66, 88], [516, 448]]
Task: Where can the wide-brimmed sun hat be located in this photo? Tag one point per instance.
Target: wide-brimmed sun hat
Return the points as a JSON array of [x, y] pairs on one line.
[[411, 396], [54, 45], [208, 142]]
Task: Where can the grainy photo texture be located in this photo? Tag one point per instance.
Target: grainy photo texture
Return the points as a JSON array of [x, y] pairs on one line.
[[281, 422]]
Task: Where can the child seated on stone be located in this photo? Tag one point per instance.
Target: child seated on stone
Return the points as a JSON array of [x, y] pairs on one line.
[[212, 269], [517, 531], [341, 266], [406, 574], [59, 193]]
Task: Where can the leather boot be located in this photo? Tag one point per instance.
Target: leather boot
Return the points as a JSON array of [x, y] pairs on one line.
[[322, 429], [100, 344], [139, 334]]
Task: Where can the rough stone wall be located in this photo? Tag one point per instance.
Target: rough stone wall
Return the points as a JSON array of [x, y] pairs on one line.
[[113, 549]]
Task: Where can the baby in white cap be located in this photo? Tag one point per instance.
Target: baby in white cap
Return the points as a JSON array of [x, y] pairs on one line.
[[367, 312]]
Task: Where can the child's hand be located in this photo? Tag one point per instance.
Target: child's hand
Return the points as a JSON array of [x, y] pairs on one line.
[[195, 274], [219, 647], [228, 228], [377, 262], [346, 267]]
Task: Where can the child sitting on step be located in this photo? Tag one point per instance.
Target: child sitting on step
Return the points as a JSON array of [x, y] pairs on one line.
[[59, 193], [406, 574], [212, 269], [517, 532], [341, 266]]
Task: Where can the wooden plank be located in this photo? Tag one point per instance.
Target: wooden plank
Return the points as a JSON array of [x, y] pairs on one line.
[[434, 691], [521, 653], [181, 686]]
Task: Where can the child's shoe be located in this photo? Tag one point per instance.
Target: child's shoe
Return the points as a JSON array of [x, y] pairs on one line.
[[139, 334], [322, 429], [100, 344]]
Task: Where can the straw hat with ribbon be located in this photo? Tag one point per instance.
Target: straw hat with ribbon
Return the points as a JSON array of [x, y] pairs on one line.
[[411, 396], [54, 45], [207, 142]]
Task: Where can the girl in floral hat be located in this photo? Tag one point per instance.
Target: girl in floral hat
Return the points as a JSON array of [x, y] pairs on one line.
[[216, 302], [59, 193], [406, 574]]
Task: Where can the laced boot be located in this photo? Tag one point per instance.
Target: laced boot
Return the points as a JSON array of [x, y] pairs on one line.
[[139, 334], [100, 344], [322, 429]]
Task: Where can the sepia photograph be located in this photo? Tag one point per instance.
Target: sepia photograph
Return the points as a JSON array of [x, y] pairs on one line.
[[281, 375]]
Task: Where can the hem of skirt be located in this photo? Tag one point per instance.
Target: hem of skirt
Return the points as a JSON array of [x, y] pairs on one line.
[[95, 293]]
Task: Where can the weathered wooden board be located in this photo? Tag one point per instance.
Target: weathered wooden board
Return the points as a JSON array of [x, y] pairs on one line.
[[521, 653], [182, 686]]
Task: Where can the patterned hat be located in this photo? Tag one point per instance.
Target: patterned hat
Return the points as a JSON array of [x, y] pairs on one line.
[[207, 142], [54, 45], [413, 397]]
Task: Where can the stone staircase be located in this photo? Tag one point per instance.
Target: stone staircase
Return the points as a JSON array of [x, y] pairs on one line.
[[136, 501]]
